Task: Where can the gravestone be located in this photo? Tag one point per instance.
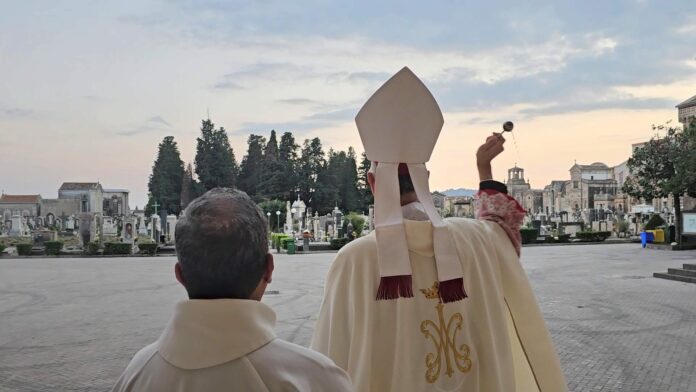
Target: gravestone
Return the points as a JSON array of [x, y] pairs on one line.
[[70, 223], [87, 229], [128, 231], [171, 226], [17, 226], [109, 227]]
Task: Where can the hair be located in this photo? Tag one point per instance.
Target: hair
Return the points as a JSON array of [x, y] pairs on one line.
[[221, 244], [405, 183]]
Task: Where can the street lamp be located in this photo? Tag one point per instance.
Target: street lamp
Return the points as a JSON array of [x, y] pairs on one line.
[[278, 220], [268, 218]]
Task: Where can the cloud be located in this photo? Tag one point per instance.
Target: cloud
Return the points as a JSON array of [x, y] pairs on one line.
[[152, 124], [299, 101], [158, 120], [587, 106], [92, 98], [14, 112], [311, 122]]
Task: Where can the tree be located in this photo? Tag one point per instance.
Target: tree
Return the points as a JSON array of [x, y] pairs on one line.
[[363, 187], [252, 166], [326, 192], [311, 163], [348, 180], [337, 183], [270, 186], [190, 187], [216, 165], [165, 181], [288, 159], [272, 206], [663, 167]]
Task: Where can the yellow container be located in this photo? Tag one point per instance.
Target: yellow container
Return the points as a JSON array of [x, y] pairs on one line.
[[659, 236]]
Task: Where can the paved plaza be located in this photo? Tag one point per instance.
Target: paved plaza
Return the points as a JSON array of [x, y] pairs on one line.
[[73, 324]]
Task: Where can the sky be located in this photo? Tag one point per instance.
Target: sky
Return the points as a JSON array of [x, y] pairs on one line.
[[89, 88]]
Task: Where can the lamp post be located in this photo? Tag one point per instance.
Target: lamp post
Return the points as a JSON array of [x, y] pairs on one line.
[[278, 220], [268, 218]]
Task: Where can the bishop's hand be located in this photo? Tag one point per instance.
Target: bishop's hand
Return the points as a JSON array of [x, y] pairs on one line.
[[486, 153]]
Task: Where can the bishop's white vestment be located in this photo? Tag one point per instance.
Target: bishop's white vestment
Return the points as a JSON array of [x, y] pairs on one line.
[[227, 345], [493, 340]]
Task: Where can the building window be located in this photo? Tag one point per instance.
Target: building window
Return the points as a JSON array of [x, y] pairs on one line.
[[575, 184]]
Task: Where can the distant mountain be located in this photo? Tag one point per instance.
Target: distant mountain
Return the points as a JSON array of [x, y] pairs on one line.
[[460, 192]]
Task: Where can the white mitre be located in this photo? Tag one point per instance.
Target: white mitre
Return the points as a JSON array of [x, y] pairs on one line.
[[400, 123]]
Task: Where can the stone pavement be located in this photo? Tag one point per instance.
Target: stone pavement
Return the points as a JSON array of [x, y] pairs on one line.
[[73, 324]]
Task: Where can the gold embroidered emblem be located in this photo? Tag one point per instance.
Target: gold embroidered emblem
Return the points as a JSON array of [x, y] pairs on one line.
[[444, 337]]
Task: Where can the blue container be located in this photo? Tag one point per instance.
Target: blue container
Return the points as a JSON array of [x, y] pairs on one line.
[[646, 238]]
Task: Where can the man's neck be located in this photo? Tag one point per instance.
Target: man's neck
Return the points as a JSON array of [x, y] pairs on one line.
[[408, 198]]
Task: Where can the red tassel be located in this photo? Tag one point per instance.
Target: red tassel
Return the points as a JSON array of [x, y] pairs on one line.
[[452, 290], [393, 287]]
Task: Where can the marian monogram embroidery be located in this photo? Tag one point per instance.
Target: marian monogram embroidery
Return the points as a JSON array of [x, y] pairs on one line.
[[444, 337]]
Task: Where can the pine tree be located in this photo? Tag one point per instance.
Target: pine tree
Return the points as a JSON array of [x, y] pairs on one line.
[[311, 162], [216, 165], [348, 182], [252, 167], [272, 172], [288, 159], [165, 181], [190, 187], [326, 194]]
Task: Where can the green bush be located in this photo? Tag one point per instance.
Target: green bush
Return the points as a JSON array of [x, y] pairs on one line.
[[562, 238], [277, 239], [148, 248], [529, 235], [53, 248], [91, 248], [2, 248], [654, 222], [117, 248], [592, 236], [356, 220], [338, 243], [24, 249]]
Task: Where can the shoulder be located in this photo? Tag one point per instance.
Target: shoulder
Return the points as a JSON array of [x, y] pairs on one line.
[[468, 225], [360, 246], [303, 357], [136, 365], [283, 362], [356, 254]]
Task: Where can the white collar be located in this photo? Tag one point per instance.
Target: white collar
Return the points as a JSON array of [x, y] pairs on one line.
[[205, 333]]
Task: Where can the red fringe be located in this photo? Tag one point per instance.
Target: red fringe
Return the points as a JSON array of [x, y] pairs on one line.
[[393, 287], [452, 290]]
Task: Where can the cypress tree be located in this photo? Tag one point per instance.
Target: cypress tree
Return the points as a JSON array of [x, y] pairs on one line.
[[165, 181]]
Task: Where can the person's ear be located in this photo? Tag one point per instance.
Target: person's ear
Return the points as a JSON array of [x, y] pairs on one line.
[[371, 181], [268, 275], [179, 275]]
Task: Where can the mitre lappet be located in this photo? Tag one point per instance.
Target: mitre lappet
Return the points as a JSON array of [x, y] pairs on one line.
[[400, 124]]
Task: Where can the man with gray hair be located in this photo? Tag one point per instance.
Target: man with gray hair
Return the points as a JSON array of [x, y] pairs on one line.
[[222, 338]]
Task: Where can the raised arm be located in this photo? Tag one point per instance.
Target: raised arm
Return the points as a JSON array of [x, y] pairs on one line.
[[493, 202]]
